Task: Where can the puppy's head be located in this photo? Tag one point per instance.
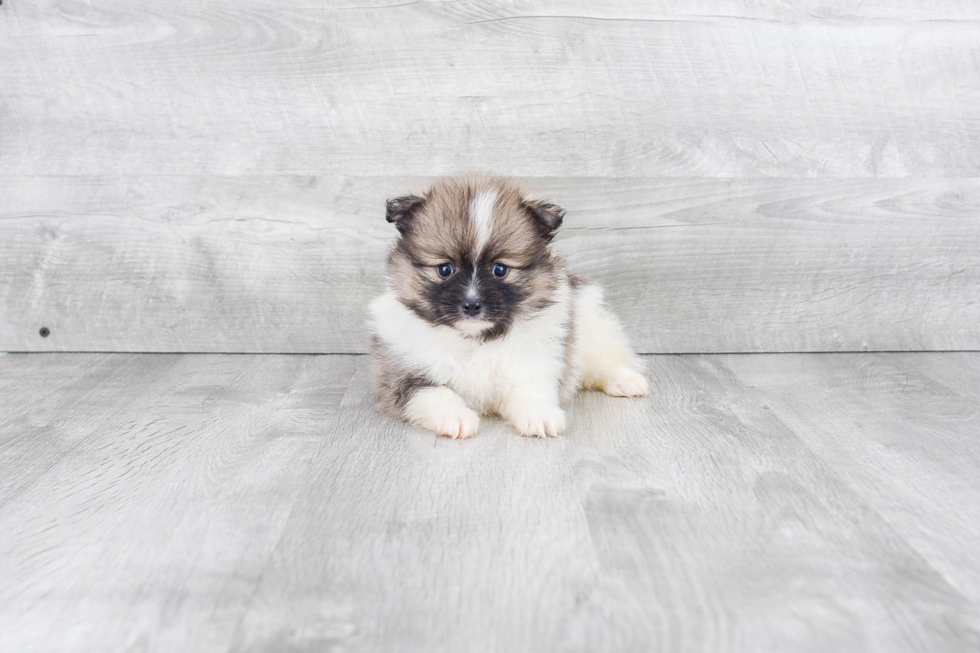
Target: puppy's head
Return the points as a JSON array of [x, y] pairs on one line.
[[473, 254]]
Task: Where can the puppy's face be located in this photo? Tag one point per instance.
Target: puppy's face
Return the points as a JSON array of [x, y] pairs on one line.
[[473, 254]]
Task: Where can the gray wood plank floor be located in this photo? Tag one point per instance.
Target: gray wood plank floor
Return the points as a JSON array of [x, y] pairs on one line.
[[796, 502]]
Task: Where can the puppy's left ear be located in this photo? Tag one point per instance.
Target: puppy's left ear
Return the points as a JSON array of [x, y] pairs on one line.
[[400, 209], [547, 216]]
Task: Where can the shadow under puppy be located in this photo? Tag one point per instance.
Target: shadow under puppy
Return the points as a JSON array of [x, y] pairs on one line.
[[481, 316]]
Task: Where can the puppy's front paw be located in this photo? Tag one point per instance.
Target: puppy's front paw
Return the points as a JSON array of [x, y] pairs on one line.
[[456, 423], [539, 422], [626, 383], [441, 410]]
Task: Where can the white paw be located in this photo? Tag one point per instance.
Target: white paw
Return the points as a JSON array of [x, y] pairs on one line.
[[626, 383], [456, 423], [540, 422], [441, 410]]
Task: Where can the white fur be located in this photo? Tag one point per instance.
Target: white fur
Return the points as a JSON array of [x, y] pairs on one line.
[[481, 215], [472, 326], [473, 288], [517, 375], [443, 411], [608, 362]]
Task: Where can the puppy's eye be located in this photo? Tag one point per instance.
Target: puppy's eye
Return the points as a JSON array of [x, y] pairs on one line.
[[499, 270], [445, 270]]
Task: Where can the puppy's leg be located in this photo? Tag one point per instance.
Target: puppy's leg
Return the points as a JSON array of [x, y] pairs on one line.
[[608, 361], [439, 409], [414, 397], [534, 411]]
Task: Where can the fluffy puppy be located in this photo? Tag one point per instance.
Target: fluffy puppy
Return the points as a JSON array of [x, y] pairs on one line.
[[481, 316]]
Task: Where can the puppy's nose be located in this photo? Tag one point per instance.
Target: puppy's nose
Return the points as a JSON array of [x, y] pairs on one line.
[[471, 306]]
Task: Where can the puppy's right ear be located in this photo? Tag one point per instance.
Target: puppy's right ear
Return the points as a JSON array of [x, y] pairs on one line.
[[547, 217], [400, 210]]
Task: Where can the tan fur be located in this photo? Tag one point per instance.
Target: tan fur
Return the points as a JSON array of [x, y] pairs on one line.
[[441, 231]]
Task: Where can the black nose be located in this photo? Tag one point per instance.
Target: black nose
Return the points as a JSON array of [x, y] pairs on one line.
[[471, 306]]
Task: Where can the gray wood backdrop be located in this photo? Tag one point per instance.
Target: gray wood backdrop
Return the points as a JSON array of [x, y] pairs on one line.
[[740, 176]]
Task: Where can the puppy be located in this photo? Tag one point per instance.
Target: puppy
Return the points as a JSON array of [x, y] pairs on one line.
[[481, 317]]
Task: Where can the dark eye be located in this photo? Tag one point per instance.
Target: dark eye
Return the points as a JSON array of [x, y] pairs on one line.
[[499, 270], [445, 270]]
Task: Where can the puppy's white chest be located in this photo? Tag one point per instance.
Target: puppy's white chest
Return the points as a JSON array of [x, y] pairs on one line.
[[481, 373], [474, 370]]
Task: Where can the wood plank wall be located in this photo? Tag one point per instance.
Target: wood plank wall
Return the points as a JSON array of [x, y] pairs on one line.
[[740, 176]]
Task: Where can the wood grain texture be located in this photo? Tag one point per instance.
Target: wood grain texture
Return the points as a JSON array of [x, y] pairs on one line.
[[817, 89], [260, 503], [287, 264], [140, 496], [207, 176], [430, 547], [703, 501], [921, 442]]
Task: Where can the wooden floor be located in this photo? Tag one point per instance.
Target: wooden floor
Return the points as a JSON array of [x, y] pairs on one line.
[[813, 502]]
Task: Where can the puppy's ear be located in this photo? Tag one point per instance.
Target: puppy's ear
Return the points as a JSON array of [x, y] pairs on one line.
[[547, 216], [400, 210]]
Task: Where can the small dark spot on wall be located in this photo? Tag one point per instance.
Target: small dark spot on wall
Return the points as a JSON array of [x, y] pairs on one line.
[[45, 331]]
